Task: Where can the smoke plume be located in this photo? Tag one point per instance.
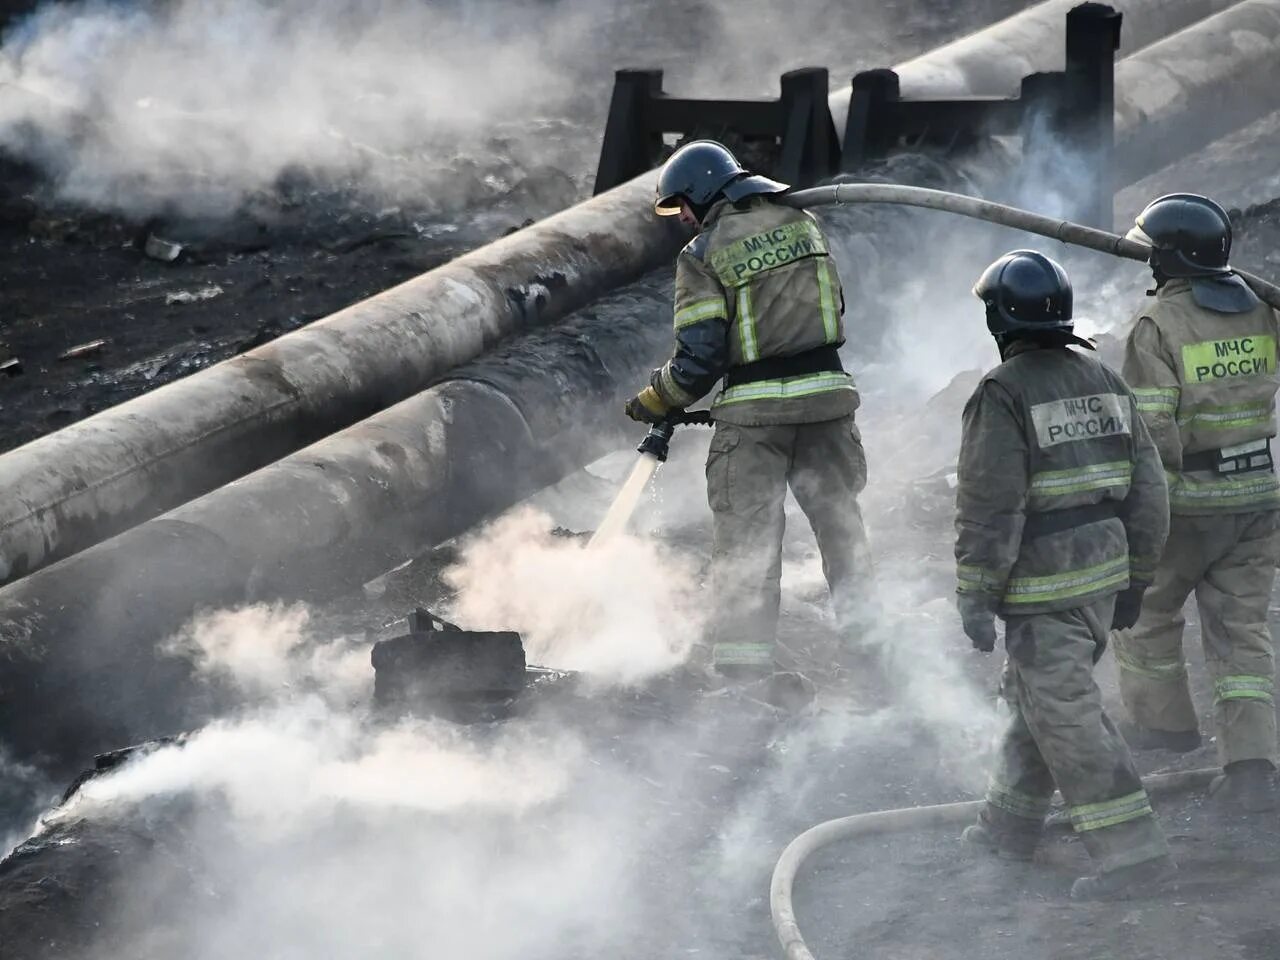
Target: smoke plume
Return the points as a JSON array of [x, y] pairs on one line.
[[620, 611], [191, 105]]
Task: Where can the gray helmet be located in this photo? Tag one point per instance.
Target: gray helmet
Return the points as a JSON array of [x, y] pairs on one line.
[[702, 172]]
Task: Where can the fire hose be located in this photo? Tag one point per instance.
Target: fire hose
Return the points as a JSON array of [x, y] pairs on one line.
[[1064, 231], [894, 821]]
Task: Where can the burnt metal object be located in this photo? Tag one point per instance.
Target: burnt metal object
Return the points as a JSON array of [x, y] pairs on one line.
[[796, 128], [435, 668], [1075, 106]]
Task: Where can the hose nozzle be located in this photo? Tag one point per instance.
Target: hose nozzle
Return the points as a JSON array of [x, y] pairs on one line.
[[657, 442]]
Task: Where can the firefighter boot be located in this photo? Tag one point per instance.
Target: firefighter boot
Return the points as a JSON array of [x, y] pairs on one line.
[[1139, 737], [1001, 833], [1125, 883], [1248, 785]]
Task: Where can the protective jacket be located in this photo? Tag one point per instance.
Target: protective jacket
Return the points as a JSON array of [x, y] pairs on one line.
[[1206, 383], [758, 302], [1061, 498]]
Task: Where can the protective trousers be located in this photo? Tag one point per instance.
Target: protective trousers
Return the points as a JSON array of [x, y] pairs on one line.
[[1229, 562], [1060, 735], [748, 472]]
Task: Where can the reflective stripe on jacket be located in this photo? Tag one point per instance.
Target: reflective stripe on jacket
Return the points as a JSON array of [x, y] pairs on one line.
[[1206, 381], [758, 283], [1054, 429]]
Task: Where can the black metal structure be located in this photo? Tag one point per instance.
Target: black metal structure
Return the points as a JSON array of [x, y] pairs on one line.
[[796, 128], [1074, 106]]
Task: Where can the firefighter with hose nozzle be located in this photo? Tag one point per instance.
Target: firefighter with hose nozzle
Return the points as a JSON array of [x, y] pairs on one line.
[[758, 303]]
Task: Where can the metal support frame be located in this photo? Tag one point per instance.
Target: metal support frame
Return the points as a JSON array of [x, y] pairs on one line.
[[1075, 105], [796, 128]]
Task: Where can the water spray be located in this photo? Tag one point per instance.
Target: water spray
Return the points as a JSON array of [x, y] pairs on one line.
[[653, 451]]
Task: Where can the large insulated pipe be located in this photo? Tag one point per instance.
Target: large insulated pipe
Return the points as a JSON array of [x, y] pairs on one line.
[[79, 667], [1223, 72], [993, 62], [91, 480], [113, 470]]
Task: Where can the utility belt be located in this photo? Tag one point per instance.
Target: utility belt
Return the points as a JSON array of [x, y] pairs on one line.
[[824, 359], [1068, 518], [1250, 457]]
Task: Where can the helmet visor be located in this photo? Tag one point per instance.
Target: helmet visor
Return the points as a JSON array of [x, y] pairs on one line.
[[668, 206], [1136, 233]]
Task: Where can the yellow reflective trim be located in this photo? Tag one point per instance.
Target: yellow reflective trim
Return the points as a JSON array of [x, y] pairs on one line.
[[1228, 418], [1072, 583], [749, 257], [1165, 671], [1157, 399], [1110, 813], [1249, 490], [1016, 802], [1096, 476], [788, 389], [1229, 359], [747, 326], [1244, 688], [827, 301], [708, 309]]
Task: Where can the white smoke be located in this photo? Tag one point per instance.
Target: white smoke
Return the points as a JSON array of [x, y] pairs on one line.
[[620, 611], [192, 105]]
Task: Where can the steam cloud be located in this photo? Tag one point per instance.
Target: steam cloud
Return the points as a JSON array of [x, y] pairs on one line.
[[622, 611], [191, 105]]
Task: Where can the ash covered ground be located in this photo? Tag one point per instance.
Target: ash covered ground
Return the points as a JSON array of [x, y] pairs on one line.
[[627, 815]]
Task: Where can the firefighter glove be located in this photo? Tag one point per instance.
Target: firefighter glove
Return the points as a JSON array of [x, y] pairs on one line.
[[979, 619], [1128, 607], [647, 407]]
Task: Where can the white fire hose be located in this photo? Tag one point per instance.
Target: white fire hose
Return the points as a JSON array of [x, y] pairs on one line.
[[1065, 231], [894, 821]]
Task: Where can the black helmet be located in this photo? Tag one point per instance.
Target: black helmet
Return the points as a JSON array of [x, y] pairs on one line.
[[1025, 292], [1190, 236], [701, 172]]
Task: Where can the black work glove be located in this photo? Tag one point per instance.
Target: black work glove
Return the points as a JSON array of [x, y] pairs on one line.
[[1128, 607], [979, 619], [647, 407]]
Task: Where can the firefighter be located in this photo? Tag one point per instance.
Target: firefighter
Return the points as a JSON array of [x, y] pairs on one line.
[[1061, 511], [1201, 359], [758, 303]]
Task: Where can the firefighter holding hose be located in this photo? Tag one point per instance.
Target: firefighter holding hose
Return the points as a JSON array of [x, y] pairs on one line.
[[1061, 513], [758, 303], [1201, 359]]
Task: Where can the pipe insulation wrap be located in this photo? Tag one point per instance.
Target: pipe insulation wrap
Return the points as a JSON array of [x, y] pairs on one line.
[[1223, 72], [75, 487], [992, 62], [781, 885], [89, 481]]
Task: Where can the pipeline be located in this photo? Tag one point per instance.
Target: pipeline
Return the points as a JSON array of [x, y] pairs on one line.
[[111, 471], [992, 62], [896, 821]]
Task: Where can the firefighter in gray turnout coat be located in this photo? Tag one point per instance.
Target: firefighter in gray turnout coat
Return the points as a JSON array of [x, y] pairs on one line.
[[1061, 514]]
